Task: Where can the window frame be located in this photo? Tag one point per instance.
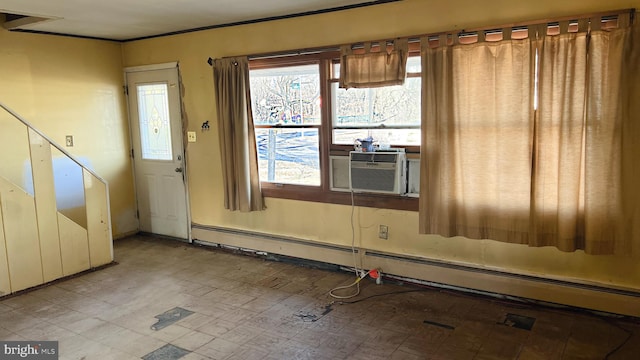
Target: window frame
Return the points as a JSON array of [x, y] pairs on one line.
[[305, 61], [326, 148]]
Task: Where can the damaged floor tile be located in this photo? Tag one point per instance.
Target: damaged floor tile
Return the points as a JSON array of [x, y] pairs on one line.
[[519, 321], [169, 317], [167, 352]]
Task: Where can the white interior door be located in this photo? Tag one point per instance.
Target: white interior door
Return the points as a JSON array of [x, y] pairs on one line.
[[158, 151]]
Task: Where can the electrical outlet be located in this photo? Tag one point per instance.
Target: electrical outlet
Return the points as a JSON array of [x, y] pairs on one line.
[[69, 140], [383, 232], [191, 136]]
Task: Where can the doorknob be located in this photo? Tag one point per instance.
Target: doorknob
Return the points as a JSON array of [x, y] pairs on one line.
[[178, 169]]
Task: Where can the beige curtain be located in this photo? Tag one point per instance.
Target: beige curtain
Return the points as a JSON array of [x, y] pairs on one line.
[[612, 116], [236, 134], [476, 139], [561, 176], [578, 186], [558, 193], [369, 69], [630, 114]]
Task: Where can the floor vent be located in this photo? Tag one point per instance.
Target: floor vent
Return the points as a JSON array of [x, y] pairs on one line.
[[519, 321]]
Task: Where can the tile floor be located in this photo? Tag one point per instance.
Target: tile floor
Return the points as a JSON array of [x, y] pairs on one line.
[[248, 308]]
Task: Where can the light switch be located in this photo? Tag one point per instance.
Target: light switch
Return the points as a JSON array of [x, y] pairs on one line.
[[69, 140], [191, 136]]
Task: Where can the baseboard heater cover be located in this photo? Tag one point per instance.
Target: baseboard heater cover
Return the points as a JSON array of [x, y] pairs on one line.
[[264, 236], [505, 274], [459, 276]]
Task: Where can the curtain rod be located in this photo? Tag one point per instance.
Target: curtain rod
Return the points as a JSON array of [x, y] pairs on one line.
[[308, 51], [630, 11], [416, 38]]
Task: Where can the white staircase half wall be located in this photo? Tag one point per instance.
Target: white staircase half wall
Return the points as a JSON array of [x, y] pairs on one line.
[[54, 211]]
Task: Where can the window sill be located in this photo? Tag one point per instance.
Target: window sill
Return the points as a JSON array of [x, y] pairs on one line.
[[317, 194]]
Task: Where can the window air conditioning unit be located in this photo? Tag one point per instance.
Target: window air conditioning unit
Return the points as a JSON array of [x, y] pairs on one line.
[[378, 172]]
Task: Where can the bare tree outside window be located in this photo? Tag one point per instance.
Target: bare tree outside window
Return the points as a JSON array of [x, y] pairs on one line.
[[389, 114], [287, 115]]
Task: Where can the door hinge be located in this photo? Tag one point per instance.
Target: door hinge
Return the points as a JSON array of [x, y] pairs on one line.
[[132, 154], [137, 214], [125, 88]]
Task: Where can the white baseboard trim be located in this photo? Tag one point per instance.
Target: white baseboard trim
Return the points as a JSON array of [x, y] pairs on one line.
[[588, 296]]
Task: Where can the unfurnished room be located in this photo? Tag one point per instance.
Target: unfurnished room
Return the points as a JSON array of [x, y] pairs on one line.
[[319, 179]]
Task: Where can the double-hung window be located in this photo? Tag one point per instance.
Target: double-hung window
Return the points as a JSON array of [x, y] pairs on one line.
[[286, 112]]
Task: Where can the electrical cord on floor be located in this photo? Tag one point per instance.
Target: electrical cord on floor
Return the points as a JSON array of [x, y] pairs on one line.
[[378, 295], [356, 283], [359, 273]]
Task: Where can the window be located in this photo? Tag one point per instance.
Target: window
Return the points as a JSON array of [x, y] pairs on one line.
[[302, 117], [155, 128], [390, 115], [286, 113]]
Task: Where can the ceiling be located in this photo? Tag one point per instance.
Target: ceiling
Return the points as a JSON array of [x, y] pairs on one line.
[[127, 19]]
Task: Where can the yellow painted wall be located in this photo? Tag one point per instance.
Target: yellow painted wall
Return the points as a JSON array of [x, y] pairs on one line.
[[330, 223], [67, 86]]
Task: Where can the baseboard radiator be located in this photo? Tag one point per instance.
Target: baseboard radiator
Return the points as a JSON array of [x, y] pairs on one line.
[[434, 272]]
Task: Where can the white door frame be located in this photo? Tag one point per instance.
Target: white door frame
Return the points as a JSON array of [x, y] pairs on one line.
[[162, 66]]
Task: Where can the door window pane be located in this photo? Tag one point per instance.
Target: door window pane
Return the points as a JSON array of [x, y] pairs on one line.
[[155, 127]]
